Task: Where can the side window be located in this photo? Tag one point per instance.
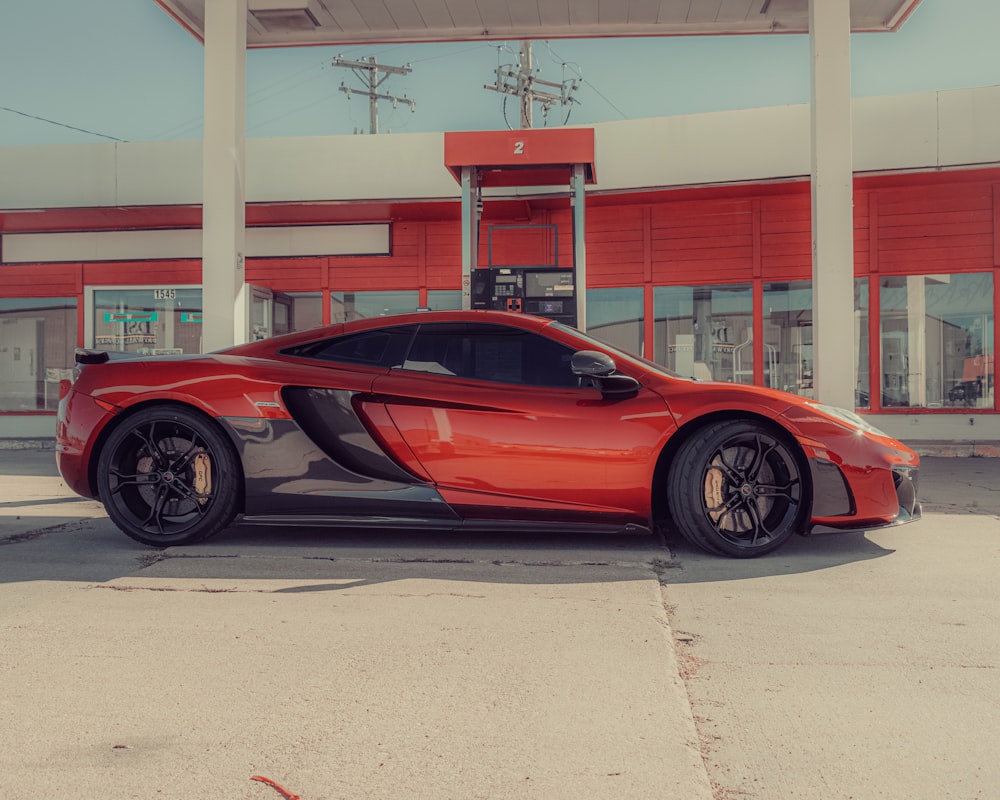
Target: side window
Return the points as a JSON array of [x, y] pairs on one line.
[[381, 348], [491, 353]]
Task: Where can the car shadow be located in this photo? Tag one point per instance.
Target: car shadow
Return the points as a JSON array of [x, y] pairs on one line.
[[335, 560], [89, 549]]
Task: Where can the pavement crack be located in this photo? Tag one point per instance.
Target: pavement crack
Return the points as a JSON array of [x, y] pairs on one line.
[[27, 536]]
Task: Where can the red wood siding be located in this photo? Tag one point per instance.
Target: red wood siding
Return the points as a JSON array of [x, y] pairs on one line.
[[615, 247], [786, 237], [443, 255], [286, 274], [703, 241], [142, 273], [935, 228], [41, 280]]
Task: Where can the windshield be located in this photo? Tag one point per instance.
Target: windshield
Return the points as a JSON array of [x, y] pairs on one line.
[[620, 355]]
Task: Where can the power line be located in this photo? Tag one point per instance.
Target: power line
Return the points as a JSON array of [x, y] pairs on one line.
[[60, 124], [575, 67], [604, 98]]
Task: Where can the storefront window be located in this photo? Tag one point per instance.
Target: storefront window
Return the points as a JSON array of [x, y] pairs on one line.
[[788, 355], [444, 299], [37, 339], [349, 306], [937, 341], [705, 331], [296, 311], [862, 395], [147, 321], [615, 316]]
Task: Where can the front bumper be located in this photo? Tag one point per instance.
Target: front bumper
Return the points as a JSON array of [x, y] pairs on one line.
[[837, 507], [906, 480]]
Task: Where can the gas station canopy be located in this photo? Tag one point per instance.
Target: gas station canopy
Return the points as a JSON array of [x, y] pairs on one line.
[[275, 23]]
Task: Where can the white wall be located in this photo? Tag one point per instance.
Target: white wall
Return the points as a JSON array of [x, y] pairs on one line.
[[928, 130]]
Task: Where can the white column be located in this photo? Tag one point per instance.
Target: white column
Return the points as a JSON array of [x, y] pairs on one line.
[[579, 203], [834, 354], [471, 199], [223, 189]]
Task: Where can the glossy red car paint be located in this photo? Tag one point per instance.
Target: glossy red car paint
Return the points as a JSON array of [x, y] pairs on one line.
[[478, 450]]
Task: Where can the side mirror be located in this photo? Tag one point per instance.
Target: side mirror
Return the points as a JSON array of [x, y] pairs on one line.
[[592, 364], [599, 370]]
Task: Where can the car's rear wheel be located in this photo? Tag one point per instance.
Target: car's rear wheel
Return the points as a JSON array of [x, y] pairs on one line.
[[736, 488], [167, 476]]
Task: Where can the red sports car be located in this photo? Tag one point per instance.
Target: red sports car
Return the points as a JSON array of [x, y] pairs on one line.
[[480, 420]]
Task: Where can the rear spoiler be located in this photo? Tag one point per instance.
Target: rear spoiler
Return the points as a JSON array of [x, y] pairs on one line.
[[84, 355]]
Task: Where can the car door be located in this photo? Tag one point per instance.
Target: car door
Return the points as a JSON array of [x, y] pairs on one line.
[[498, 421]]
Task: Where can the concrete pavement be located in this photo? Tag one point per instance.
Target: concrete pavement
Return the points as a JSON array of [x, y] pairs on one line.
[[339, 665], [369, 664]]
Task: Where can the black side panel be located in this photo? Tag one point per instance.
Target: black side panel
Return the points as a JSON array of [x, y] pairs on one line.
[[286, 473], [329, 419], [831, 496]]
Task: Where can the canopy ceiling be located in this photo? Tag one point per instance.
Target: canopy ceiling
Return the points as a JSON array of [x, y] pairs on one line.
[[274, 23]]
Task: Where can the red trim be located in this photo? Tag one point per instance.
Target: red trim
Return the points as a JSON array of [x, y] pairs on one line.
[[193, 31]]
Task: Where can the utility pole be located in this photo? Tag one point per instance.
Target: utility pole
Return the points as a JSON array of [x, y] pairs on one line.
[[372, 75], [521, 83]]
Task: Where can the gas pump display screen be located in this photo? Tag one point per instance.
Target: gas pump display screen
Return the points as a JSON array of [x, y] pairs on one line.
[[548, 284]]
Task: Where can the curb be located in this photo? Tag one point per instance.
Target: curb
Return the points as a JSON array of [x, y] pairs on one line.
[[27, 444]]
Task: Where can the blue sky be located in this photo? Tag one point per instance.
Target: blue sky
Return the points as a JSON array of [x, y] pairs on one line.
[[122, 69]]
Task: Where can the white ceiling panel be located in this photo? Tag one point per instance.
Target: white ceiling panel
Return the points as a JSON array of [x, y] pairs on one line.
[[334, 22]]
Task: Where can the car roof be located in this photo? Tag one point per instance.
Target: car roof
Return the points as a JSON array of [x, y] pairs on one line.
[[268, 346]]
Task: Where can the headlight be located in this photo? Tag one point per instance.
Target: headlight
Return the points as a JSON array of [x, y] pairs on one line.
[[850, 418]]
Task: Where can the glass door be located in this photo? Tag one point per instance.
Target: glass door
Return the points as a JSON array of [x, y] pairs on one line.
[[261, 315]]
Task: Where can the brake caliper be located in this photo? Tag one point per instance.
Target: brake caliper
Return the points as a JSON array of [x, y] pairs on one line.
[[202, 465]]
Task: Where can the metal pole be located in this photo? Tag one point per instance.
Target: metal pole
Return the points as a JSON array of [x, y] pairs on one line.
[[373, 97], [524, 85], [579, 245]]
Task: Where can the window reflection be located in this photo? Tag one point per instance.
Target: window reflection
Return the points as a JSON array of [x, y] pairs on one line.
[[296, 311], [615, 316], [349, 306], [937, 341], [150, 321], [862, 395], [705, 331], [444, 299], [788, 343], [37, 339]]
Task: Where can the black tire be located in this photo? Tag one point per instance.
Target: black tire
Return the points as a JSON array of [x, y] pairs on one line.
[[168, 476], [736, 488]]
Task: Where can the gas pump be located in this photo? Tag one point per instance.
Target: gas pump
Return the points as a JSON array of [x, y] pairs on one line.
[[512, 160], [544, 291]]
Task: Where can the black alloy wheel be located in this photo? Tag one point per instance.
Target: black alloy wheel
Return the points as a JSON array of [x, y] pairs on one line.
[[736, 488], [167, 476]]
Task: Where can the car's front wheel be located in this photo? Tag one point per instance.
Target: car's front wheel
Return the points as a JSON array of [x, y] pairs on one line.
[[736, 488], [167, 476]]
